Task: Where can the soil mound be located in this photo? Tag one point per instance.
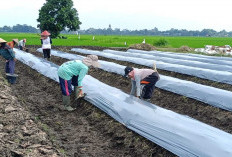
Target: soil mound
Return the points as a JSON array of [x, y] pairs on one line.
[[19, 134], [146, 47], [184, 49]]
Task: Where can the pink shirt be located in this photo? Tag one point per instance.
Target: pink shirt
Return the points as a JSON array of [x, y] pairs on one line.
[[138, 75], [141, 73]]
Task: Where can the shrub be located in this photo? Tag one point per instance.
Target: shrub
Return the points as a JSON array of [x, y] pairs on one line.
[[63, 37], [161, 42]]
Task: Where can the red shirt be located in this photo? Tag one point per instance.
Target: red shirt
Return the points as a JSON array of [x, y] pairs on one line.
[[11, 44]]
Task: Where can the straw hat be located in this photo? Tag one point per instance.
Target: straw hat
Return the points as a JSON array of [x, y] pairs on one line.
[[16, 40], [2, 40], [45, 33], [91, 60]]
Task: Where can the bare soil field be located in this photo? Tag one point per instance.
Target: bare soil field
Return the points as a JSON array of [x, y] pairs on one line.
[[90, 132], [19, 134], [87, 131]]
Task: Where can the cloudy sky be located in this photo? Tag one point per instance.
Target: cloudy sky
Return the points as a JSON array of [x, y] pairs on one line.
[[131, 14]]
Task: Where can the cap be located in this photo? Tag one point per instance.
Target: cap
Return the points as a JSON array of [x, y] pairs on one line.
[[127, 71]]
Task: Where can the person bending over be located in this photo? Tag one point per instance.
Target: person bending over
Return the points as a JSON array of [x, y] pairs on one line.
[[72, 73], [143, 81]]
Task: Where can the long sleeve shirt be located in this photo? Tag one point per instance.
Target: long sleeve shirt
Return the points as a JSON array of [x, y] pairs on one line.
[[73, 68], [21, 43], [11, 44], [7, 53], [139, 74]]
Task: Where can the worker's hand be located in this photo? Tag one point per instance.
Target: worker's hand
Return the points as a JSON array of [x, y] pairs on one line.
[[15, 59], [80, 94]]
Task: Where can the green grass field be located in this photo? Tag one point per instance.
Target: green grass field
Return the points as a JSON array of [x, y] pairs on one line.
[[119, 41]]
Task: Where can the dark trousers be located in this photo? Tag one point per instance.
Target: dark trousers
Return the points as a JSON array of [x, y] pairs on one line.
[[148, 85], [66, 85], [10, 66], [20, 47], [47, 53]]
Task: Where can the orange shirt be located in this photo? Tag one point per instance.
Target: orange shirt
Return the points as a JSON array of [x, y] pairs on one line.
[[11, 44]]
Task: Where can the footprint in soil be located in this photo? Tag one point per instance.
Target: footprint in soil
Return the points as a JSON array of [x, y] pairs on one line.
[[50, 107], [83, 139], [64, 138], [117, 141]]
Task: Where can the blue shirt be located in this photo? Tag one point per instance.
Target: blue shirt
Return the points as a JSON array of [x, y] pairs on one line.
[[7, 53]]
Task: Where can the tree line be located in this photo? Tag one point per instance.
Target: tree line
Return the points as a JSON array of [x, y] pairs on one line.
[[19, 29], [156, 32], [109, 31], [59, 16]]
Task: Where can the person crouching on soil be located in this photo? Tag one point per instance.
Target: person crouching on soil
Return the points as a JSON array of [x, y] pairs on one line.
[[143, 81], [72, 73], [46, 42], [9, 55]]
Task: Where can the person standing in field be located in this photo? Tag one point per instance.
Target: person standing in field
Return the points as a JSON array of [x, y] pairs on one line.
[[13, 43], [46, 44], [7, 53], [22, 44], [143, 81], [72, 73]]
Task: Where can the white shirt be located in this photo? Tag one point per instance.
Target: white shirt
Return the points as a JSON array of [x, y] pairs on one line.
[[21, 43], [46, 43]]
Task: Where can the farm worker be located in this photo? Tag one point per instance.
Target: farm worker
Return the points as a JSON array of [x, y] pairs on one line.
[[9, 55], [72, 73], [22, 44], [2, 43], [46, 44], [143, 81], [13, 43]]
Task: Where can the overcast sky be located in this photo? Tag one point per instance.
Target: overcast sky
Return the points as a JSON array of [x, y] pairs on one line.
[[131, 14]]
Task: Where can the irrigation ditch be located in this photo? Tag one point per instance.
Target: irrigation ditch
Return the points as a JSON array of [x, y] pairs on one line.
[[89, 131]]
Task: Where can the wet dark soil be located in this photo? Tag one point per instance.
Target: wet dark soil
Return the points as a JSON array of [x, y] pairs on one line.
[[208, 114], [86, 131]]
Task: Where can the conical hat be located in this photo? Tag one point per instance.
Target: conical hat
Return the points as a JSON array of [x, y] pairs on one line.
[[16, 40], [2, 40], [45, 33]]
